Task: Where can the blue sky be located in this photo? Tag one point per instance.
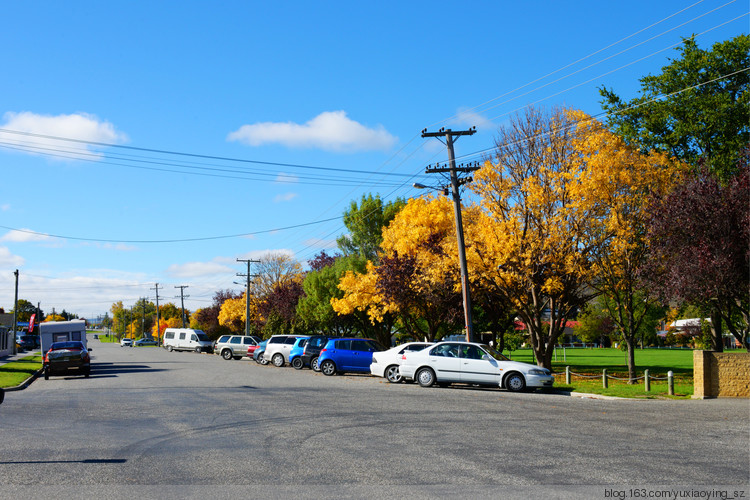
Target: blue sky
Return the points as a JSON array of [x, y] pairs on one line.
[[236, 120]]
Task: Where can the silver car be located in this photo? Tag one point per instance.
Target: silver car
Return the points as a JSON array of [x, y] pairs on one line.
[[234, 346], [278, 348]]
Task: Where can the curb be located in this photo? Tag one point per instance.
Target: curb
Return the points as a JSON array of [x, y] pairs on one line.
[[587, 395]]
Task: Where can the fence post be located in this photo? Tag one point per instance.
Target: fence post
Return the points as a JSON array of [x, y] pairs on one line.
[[670, 382], [604, 378], [567, 375], [646, 380]]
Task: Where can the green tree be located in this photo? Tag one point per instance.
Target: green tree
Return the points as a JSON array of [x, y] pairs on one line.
[[25, 310], [698, 107], [321, 286], [594, 323], [169, 311], [365, 223]]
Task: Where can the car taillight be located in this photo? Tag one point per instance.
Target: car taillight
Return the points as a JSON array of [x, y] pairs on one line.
[[323, 350]]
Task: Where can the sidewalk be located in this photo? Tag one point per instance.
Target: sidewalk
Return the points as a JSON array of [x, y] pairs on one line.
[[15, 357]]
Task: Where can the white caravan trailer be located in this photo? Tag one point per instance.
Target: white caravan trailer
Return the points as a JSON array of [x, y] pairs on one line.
[[61, 331]]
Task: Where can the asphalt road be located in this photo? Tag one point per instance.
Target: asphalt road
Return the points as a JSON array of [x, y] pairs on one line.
[[177, 425]]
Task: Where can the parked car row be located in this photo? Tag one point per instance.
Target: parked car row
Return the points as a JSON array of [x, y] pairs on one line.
[[441, 363]]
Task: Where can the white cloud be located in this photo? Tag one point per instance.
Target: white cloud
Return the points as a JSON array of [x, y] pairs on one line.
[[330, 131], [78, 126], [8, 260], [285, 197], [284, 178], [24, 235], [196, 269], [5, 207], [259, 254], [321, 243], [468, 118]]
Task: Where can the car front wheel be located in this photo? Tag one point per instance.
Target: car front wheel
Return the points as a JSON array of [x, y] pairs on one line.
[[425, 377], [515, 382], [328, 367], [46, 373], [393, 375], [198, 350], [314, 364]]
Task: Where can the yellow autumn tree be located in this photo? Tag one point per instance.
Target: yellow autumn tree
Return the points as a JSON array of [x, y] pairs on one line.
[[233, 313], [624, 180], [417, 276], [534, 240]]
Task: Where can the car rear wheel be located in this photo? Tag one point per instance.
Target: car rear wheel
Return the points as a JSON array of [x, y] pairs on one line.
[[328, 367], [314, 364], [46, 373], [278, 360], [170, 348], [226, 354], [393, 375], [425, 377], [515, 382], [297, 363]]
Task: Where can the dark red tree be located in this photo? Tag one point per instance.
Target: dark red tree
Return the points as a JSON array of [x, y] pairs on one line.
[[700, 248]]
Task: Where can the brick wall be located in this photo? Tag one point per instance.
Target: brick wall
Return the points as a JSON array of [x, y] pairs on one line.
[[721, 375]]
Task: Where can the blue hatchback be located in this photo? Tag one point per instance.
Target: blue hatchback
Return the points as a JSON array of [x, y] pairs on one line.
[[347, 355], [295, 355]]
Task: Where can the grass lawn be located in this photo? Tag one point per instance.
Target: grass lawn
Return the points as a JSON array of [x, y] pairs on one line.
[[15, 372], [107, 338], [589, 363]]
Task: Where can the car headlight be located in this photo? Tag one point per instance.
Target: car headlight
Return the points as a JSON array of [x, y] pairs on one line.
[[539, 371]]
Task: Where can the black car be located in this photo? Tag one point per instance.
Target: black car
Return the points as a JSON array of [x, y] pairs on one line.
[[28, 342], [312, 350], [64, 357]]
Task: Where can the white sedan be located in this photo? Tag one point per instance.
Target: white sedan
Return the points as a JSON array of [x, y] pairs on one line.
[[126, 342], [386, 363], [470, 363]]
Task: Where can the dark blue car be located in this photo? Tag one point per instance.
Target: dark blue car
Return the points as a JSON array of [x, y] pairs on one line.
[[347, 355]]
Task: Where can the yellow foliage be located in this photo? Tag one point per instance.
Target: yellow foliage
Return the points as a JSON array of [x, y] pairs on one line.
[[361, 293], [234, 310]]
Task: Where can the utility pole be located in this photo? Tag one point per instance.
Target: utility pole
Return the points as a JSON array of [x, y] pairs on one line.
[[247, 292], [15, 316], [143, 316], [158, 331], [182, 300], [455, 184]]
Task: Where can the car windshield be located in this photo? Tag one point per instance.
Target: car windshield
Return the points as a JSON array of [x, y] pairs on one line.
[[203, 337], [66, 345], [494, 353]]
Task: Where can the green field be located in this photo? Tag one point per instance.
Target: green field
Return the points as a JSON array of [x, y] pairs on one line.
[[586, 366]]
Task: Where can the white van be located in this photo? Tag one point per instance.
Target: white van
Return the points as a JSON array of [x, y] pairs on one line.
[[187, 339]]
